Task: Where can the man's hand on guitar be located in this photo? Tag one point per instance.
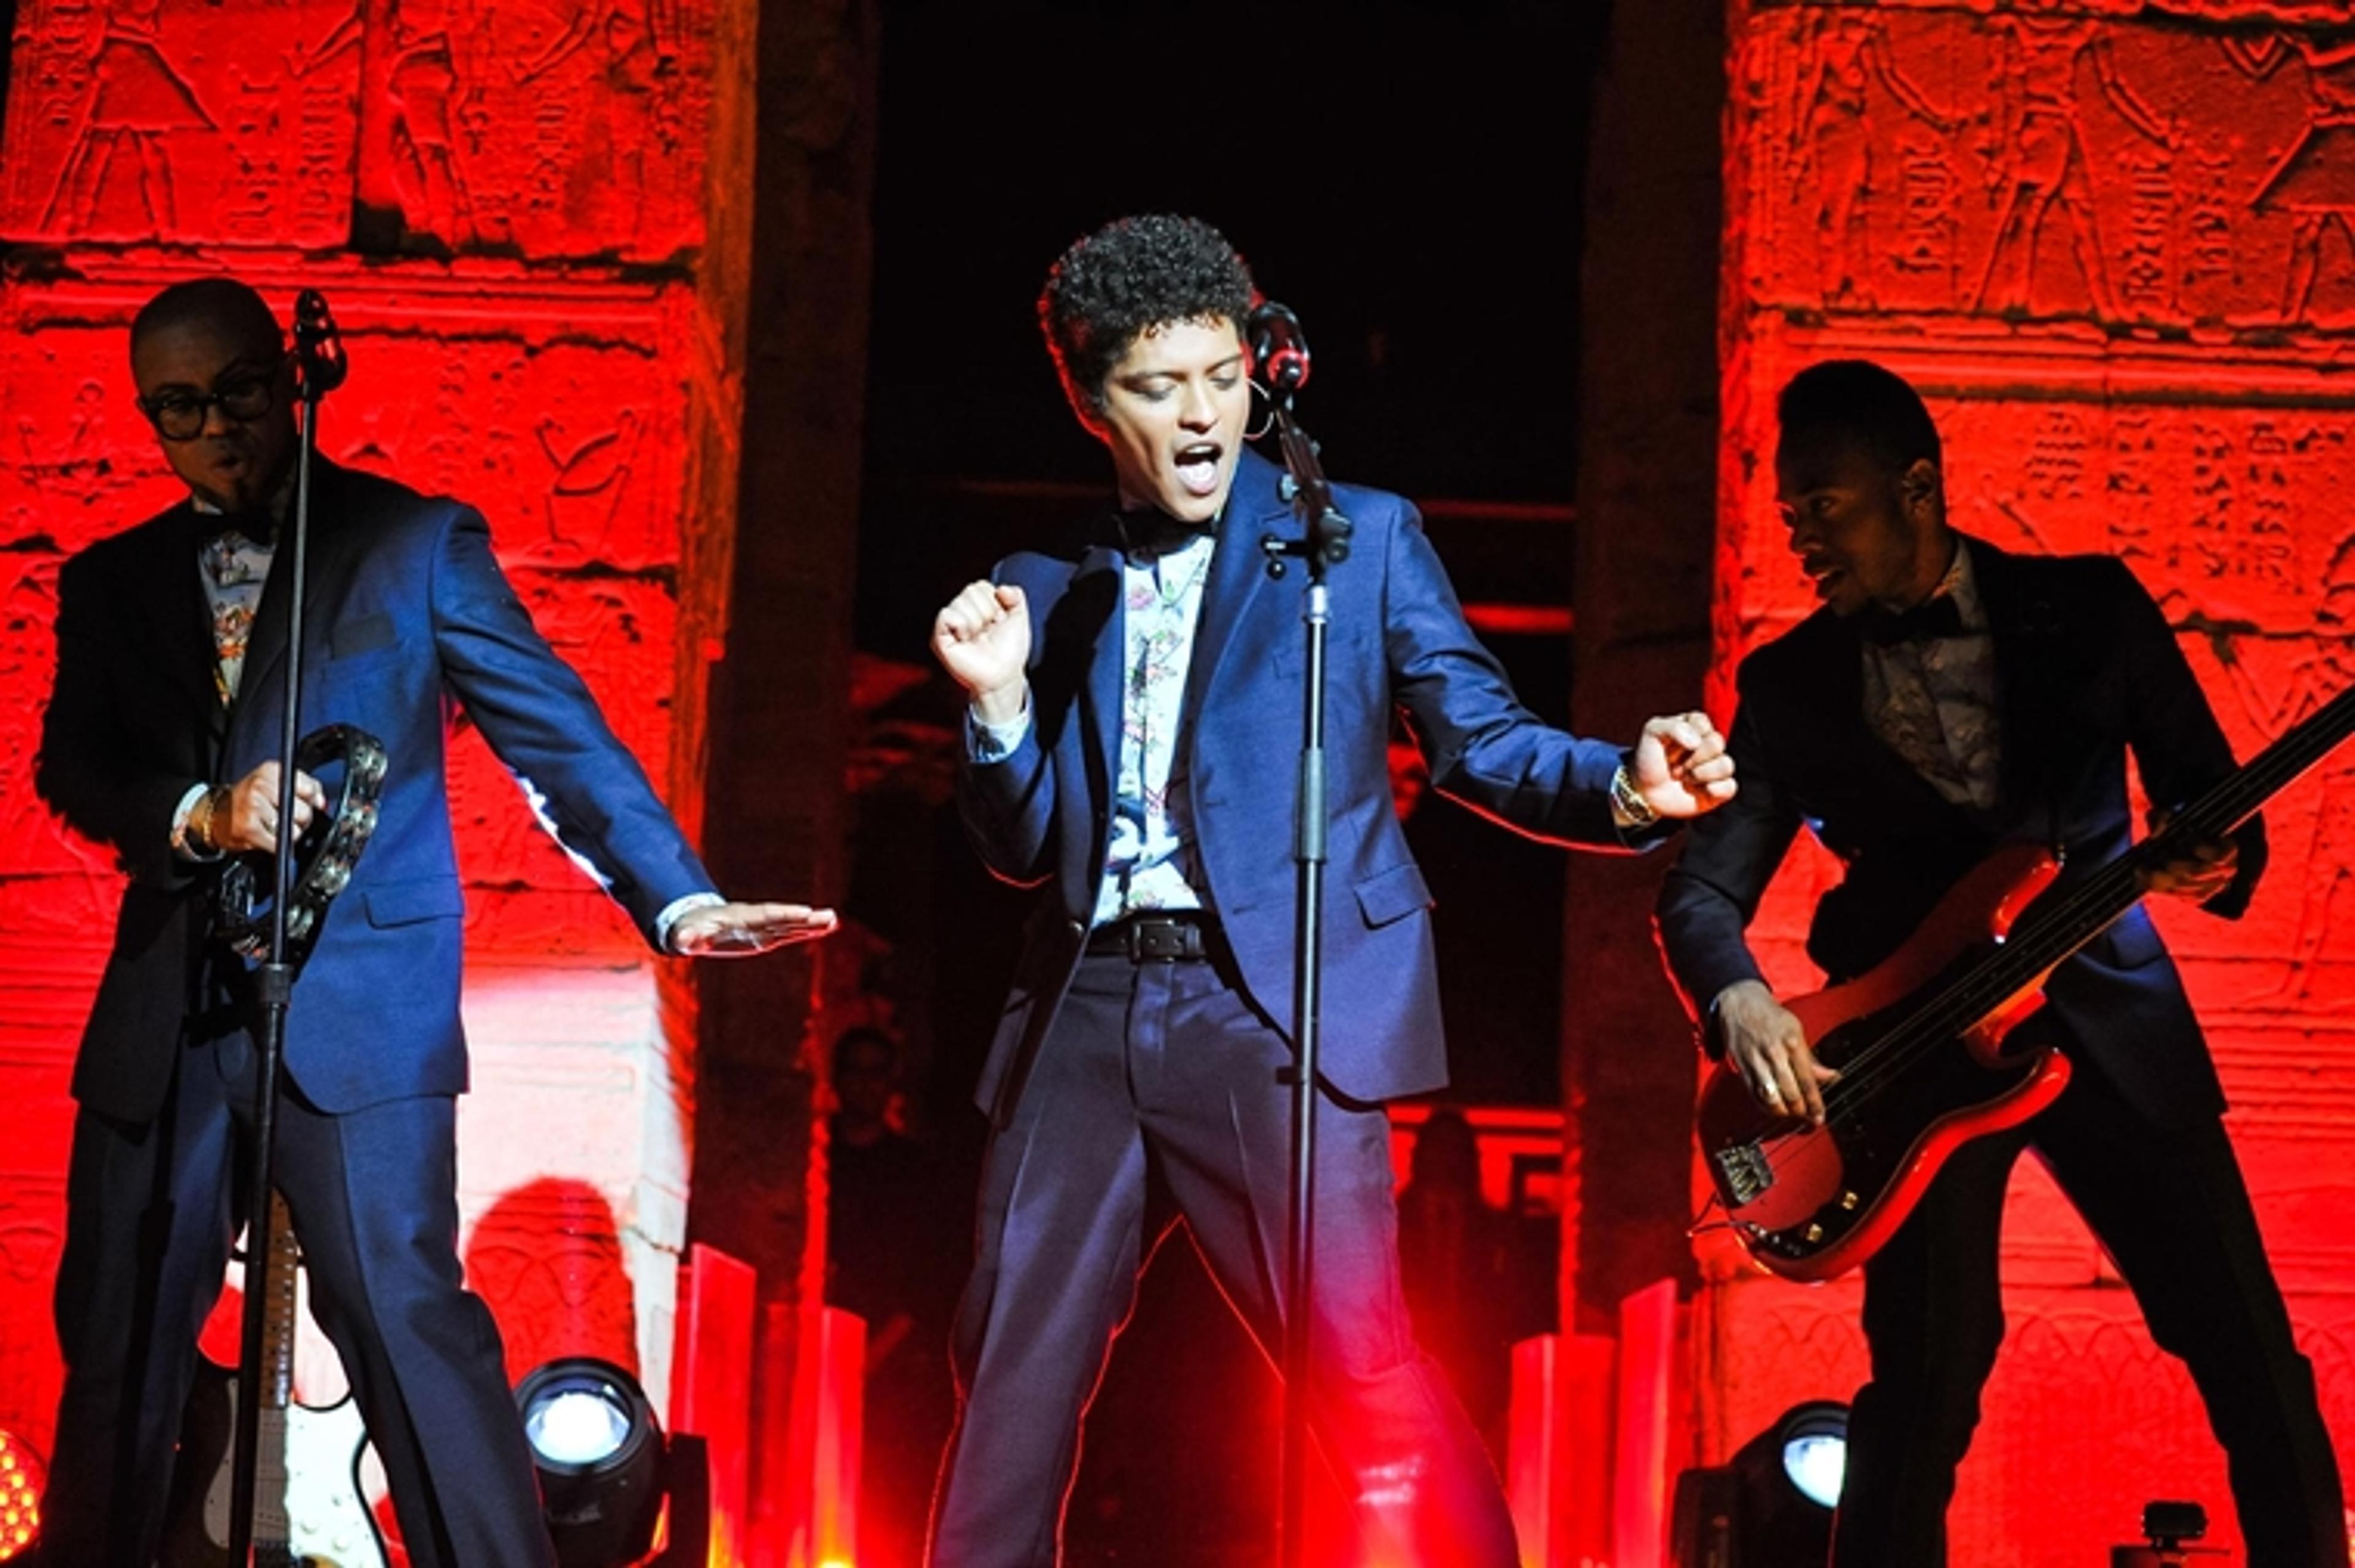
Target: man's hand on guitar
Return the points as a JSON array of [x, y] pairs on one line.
[[1682, 768], [2199, 873], [1766, 1045]]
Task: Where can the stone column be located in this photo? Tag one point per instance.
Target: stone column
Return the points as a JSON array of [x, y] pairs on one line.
[[528, 219], [2114, 245]]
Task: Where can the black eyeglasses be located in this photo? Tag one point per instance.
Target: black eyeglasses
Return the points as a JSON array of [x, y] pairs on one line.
[[244, 396]]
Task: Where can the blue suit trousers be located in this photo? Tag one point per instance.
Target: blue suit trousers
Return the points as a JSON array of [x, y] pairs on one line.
[[1168, 1065], [153, 1208]]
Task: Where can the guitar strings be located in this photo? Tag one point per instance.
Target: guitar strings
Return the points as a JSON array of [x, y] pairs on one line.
[[2041, 941], [2036, 946]]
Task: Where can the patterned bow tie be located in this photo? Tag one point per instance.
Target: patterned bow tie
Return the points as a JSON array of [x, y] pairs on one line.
[[1935, 618], [247, 527]]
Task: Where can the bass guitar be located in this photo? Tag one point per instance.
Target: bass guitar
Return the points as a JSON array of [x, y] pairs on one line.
[[1921, 1041]]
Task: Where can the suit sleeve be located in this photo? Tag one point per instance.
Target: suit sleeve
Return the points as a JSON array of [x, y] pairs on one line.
[[2178, 744], [1009, 809], [1008, 805], [542, 721], [1485, 749], [1709, 896], [86, 772]]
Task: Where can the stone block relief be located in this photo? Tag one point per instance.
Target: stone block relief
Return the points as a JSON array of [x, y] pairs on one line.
[[2075, 1361], [549, 409], [550, 128], [2106, 165]]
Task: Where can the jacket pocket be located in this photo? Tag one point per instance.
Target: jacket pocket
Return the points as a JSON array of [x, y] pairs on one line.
[[1392, 895], [406, 904]]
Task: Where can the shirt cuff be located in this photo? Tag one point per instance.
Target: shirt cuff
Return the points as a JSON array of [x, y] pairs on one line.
[[180, 814], [671, 911], [988, 742]]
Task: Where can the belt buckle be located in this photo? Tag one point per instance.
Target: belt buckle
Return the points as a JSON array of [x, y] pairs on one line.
[[1157, 940]]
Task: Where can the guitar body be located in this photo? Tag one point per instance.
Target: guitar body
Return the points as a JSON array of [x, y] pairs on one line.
[[1811, 1203], [328, 1521], [310, 1507]]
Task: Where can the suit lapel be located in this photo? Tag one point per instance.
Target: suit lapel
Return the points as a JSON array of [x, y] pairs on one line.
[[1852, 751], [1100, 693], [178, 618], [2019, 623], [265, 649], [1237, 570]]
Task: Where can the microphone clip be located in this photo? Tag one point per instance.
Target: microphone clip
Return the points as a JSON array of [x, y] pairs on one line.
[[320, 364]]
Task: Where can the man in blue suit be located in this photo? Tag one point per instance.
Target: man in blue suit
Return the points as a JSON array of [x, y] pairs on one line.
[[1948, 698], [159, 743], [1135, 717]]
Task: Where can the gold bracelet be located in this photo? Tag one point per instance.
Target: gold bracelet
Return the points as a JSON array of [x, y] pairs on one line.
[[199, 830], [1631, 803]]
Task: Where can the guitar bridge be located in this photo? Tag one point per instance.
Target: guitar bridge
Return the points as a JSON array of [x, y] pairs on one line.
[[1743, 1169]]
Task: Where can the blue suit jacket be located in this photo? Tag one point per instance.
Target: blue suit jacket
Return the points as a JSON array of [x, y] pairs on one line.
[[1398, 639], [407, 611], [2086, 670]]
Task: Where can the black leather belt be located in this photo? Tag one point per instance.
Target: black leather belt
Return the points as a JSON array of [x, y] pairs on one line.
[[1156, 938]]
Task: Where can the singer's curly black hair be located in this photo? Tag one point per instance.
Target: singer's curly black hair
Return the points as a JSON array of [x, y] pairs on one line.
[[1133, 275]]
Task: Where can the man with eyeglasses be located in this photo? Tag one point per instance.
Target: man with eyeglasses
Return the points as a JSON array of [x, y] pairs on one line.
[[159, 743]]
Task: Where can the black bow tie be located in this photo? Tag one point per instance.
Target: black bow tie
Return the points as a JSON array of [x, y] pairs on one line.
[[1934, 618], [1151, 531]]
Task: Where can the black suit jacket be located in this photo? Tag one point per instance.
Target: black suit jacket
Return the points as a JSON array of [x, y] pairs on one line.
[[2087, 669], [408, 611]]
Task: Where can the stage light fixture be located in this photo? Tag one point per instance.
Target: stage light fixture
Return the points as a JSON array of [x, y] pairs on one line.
[[1813, 1440], [1771, 1505], [599, 1452], [22, 1477]]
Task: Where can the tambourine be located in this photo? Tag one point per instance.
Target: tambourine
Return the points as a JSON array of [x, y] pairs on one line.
[[323, 859]]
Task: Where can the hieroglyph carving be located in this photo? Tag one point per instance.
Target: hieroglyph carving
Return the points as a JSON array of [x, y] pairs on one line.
[[550, 128], [2033, 160]]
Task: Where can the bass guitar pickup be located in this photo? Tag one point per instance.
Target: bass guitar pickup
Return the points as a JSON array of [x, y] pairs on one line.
[[1743, 1170]]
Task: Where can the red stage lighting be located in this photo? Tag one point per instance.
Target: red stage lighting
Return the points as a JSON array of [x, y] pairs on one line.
[[22, 1477]]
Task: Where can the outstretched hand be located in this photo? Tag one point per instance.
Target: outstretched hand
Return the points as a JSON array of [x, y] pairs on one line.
[[1681, 766], [744, 930]]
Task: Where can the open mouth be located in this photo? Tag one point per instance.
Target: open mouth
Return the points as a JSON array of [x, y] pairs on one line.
[[1198, 467], [1825, 575]]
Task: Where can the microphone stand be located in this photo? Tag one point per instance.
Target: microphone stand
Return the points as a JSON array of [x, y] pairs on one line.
[[321, 368], [1324, 542]]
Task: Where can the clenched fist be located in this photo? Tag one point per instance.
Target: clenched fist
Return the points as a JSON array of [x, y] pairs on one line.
[[983, 638], [1682, 768]]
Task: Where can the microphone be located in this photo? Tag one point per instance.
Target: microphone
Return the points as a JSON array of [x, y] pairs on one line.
[[318, 346], [1279, 349]]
